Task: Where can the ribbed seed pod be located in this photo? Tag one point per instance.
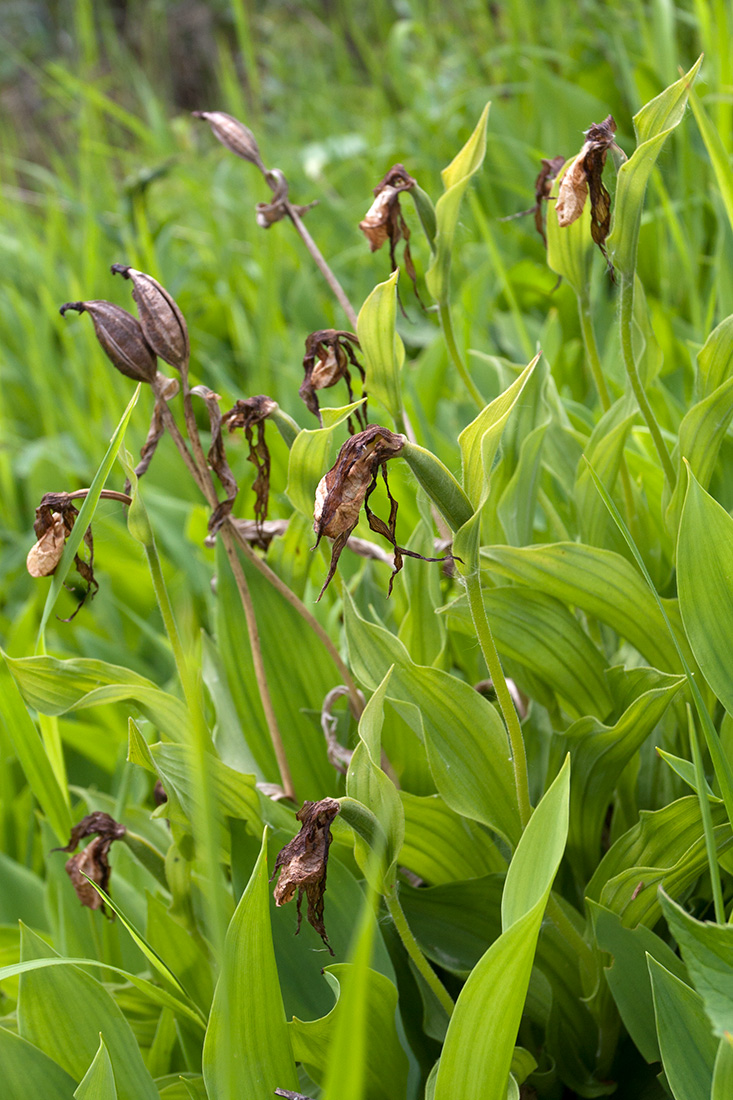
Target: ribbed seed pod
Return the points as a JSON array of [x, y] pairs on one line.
[[162, 322], [121, 337], [234, 134]]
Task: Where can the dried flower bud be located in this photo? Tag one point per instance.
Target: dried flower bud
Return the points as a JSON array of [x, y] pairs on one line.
[[384, 219], [326, 361], [303, 863], [583, 177], [121, 337], [54, 522], [162, 322], [234, 135], [93, 860]]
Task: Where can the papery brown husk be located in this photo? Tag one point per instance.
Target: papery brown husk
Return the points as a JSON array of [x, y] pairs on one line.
[[54, 522], [384, 220], [250, 415], [303, 863], [92, 861], [328, 353], [583, 178]]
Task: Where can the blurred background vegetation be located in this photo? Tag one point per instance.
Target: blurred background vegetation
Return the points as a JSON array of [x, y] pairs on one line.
[[102, 162]]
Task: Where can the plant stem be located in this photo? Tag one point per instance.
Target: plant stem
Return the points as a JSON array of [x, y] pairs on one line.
[[446, 322], [506, 703], [412, 948], [627, 348], [325, 270]]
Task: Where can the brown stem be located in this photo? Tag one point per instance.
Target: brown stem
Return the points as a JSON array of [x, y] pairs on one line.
[[105, 494], [321, 264]]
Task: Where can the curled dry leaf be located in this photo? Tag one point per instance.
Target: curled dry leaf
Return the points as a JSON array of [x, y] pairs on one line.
[[217, 458], [162, 322], [92, 862], [583, 178], [250, 415], [348, 484], [54, 522], [303, 863], [121, 338], [328, 353], [384, 221]]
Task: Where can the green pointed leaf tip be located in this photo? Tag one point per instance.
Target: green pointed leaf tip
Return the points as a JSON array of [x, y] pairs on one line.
[[688, 1048], [707, 950], [99, 1080]]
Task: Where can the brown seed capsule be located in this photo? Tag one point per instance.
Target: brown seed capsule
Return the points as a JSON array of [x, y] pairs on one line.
[[162, 322], [234, 135], [92, 862], [303, 863], [121, 337]]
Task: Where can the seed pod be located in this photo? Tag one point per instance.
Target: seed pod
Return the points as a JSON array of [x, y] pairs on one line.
[[162, 322], [234, 135], [121, 337]]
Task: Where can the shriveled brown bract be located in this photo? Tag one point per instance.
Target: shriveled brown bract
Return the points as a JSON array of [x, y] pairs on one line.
[[542, 189], [54, 522], [384, 220], [250, 415], [92, 861], [584, 176], [303, 863], [328, 353]]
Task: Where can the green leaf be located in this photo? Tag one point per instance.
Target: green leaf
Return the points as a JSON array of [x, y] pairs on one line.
[[247, 1049], [685, 769], [705, 566], [699, 439], [600, 753], [707, 950], [688, 1049], [382, 347], [723, 1071], [385, 1063], [366, 782], [653, 124], [99, 1080], [715, 359], [57, 687], [489, 1009], [62, 1010], [456, 177], [29, 1073], [628, 976], [440, 846], [310, 458], [464, 736], [455, 923], [86, 513], [598, 581], [603, 452], [717, 153], [21, 733]]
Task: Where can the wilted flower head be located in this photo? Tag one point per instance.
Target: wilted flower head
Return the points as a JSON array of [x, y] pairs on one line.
[[92, 861], [584, 175], [328, 353], [384, 219], [54, 522], [250, 415], [161, 320], [542, 189], [303, 863], [121, 337]]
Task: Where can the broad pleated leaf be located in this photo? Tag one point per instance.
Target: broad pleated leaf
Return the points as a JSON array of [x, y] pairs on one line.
[[707, 950], [686, 1042], [440, 846], [700, 436], [723, 1071]]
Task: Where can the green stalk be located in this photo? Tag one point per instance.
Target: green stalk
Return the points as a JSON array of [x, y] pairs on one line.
[[707, 820], [412, 948], [446, 322], [506, 703], [627, 348]]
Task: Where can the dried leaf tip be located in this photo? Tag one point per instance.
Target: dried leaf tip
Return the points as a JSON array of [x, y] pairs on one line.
[[92, 862], [303, 863], [233, 134], [121, 338], [162, 322]]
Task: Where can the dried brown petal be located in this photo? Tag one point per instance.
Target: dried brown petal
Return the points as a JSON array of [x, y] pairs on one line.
[[328, 354], [45, 555], [303, 863], [234, 135], [384, 221], [121, 337], [55, 516], [218, 459], [162, 322], [250, 415], [93, 860], [542, 189], [583, 177], [572, 193]]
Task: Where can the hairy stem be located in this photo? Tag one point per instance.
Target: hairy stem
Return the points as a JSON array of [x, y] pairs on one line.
[[412, 948], [627, 317], [446, 322]]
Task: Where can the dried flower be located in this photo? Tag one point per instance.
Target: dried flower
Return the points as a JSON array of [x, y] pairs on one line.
[[162, 322], [121, 337], [303, 863], [54, 522], [384, 219], [328, 353], [584, 176], [234, 135], [92, 862], [542, 189], [250, 415]]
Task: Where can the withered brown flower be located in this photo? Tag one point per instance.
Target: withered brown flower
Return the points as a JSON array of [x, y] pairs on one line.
[[584, 176], [328, 353], [250, 415], [121, 338], [54, 522], [384, 219], [92, 861], [542, 189], [303, 863]]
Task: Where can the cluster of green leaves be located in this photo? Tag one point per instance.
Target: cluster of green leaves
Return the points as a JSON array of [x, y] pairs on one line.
[[522, 895]]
